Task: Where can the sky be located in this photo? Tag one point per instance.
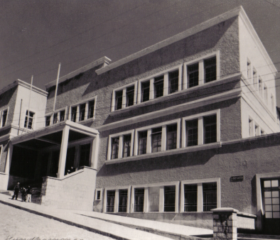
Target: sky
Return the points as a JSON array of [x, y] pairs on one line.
[[37, 35]]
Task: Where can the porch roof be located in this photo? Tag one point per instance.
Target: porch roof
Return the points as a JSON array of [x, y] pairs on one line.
[[52, 135]]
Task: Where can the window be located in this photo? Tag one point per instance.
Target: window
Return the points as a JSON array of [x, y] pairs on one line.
[[29, 116], [209, 196], [123, 200], [118, 100], [210, 69], [271, 196], [82, 112], [48, 120], [126, 145], [145, 91], [210, 129], [158, 86], [55, 120], [90, 109], [190, 204], [169, 199], [156, 139], [138, 199], [4, 117], [129, 96], [62, 116], [251, 132], [73, 114], [173, 81], [192, 132], [171, 137], [115, 148], [142, 148], [98, 195], [249, 70], [110, 201], [193, 75]]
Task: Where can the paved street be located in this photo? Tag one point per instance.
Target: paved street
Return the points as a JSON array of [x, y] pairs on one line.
[[20, 224]]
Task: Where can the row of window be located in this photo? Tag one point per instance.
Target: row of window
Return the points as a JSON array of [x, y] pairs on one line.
[[195, 197], [254, 129], [77, 113], [197, 130], [169, 82], [258, 84]]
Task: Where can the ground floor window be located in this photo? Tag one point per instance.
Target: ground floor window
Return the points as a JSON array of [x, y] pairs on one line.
[[138, 199], [169, 198], [209, 196], [110, 200], [122, 200], [190, 191], [271, 196]]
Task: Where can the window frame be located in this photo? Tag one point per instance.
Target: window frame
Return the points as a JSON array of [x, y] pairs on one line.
[[95, 196], [201, 73], [33, 127], [200, 117], [120, 149], [199, 183], [149, 128], [1, 116], [51, 115]]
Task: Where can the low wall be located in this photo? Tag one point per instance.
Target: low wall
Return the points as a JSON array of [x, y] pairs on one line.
[[3, 181], [73, 191]]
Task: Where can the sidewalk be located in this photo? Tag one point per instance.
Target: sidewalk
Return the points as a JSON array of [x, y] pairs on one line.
[[110, 225]]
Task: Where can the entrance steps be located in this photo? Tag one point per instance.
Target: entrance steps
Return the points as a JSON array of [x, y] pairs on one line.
[[246, 236]]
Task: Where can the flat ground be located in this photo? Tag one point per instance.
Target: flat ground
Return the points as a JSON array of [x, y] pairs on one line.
[[18, 224]]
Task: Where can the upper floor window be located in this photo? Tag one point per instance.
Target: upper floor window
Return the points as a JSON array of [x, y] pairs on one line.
[[129, 96], [55, 117], [124, 97], [210, 129], [145, 91], [158, 86], [173, 81], [4, 115], [156, 139], [193, 75], [210, 69], [171, 142], [118, 100], [29, 117], [142, 141], [82, 111]]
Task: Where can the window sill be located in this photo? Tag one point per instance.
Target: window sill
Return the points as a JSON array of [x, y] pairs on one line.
[[165, 153], [178, 93]]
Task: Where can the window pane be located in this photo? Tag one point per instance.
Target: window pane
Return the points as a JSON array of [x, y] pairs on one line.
[[210, 129], [82, 112], [115, 148], [122, 200], [48, 120], [156, 139], [190, 204], [210, 69], [138, 199], [267, 194], [62, 115], [126, 145], [110, 201], [268, 214], [98, 195], [28, 119], [275, 194], [55, 118], [275, 208], [209, 196], [142, 142], [169, 199], [268, 207], [73, 114], [171, 137], [267, 184], [118, 103], [4, 117], [275, 200], [173, 81], [129, 96], [90, 109], [158, 86], [145, 91], [276, 215], [267, 200], [274, 183], [192, 132], [193, 75]]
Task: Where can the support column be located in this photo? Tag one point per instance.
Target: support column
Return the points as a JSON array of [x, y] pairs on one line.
[[149, 141], [163, 138], [200, 131], [200, 72], [225, 223], [199, 198], [124, 98], [161, 199], [151, 95], [94, 152], [120, 151], [146, 200], [165, 85], [9, 159], [63, 152], [116, 203]]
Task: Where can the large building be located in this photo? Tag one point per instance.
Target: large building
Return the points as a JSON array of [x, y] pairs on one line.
[[168, 133]]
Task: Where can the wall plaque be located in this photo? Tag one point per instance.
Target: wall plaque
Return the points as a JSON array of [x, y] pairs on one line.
[[236, 178]]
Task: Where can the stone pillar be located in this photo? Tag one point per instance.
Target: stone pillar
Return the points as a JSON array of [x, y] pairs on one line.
[[225, 223], [9, 158], [94, 152], [63, 152]]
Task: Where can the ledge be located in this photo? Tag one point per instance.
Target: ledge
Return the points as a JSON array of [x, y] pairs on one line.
[[165, 153]]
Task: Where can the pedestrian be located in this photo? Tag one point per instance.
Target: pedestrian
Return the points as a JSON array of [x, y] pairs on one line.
[[16, 190], [28, 192], [23, 194]]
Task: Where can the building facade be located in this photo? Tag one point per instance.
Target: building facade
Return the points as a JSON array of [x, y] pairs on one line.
[[168, 133]]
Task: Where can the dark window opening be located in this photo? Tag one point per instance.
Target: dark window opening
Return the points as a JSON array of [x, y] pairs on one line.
[[126, 145], [142, 143], [138, 199], [145, 94], [122, 200], [193, 75], [129, 96], [4, 117], [115, 148], [73, 114], [169, 199], [158, 86], [110, 201], [171, 137], [209, 196], [90, 109], [55, 120], [173, 81], [85, 155], [98, 195], [29, 119], [119, 100], [190, 204], [156, 139], [210, 129], [82, 112], [210, 70], [62, 115], [48, 121], [192, 132]]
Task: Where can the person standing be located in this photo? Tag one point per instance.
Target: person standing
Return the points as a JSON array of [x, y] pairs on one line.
[[28, 192], [23, 194], [16, 190]]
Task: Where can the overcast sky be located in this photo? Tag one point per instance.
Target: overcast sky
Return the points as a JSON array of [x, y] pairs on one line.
[[35, 35]]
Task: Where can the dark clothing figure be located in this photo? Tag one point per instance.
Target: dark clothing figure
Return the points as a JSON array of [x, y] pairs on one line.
[[23, 194], [16, 190]]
